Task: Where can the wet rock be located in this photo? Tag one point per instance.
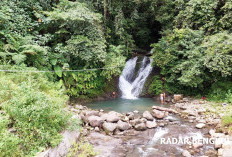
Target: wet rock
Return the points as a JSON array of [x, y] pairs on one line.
[[12, 130], [147, 115], [220, 152], [227, 145], [218, 135], [227, 153], [181, 106], [74, 110], [168, 99], [95, 121], [69, 138], [84, 118], [136, 111], [106, 146], [192, 117], [201, 121], [211, 152], [218, 143], [212, 121], [164, 109], [79, 107], [143, 120], [84, 132], [201, 111], [200, 125], [109, 127], [185, 99], [111, 116], [151, 124], [190, 112], [125, 119], [123, 125], [178, 97], [211, 132], [186, 153], [158, 114], [197, 145], [131, 116], [170, 118], [135, 122], [91, 113], [140, 127], [96, 129], [161, 124]]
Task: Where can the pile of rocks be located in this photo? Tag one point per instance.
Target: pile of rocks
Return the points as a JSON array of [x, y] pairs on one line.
[[222, 142], [203, 114], [195, 112], [113, 122]]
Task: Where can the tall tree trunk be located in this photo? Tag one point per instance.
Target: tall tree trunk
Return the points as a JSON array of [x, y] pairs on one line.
[[105, 10]]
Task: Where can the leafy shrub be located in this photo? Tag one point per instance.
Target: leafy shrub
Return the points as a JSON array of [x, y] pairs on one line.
[[218, 53], [8, 141], [156, 86], [114, 61], [229, 97], [227, 120], [220, 91], [198, 14], [82, 149], [35, 108], [180, 57]]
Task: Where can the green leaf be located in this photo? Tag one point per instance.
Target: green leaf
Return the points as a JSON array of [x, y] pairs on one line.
[[58, 71], [53, 61]]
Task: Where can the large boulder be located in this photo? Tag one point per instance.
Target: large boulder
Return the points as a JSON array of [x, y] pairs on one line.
[[111, 116], [95, 121], [147, 115], [186, 153], [164, 109], [123, 125], [135, 122], [178, 97], [131, 115], [69, 138], [218, 143], [227, 153], [84, 118], [79, 107], [159, 114], [200, 125], [91, 113], [140, 127], [227, 145], [109, 127], [197, 145], [151, 124]]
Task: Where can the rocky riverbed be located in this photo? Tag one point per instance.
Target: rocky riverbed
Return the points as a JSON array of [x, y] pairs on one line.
[[135, 134], [139, 134], [205, 115]]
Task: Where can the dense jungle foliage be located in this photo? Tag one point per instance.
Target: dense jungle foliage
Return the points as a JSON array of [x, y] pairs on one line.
[[190, 42], [195, 52]]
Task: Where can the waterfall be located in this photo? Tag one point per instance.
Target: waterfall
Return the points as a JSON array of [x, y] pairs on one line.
[[130, 86]]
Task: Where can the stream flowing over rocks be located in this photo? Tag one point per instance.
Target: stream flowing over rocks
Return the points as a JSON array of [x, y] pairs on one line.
[[135, 134], [158, 132]]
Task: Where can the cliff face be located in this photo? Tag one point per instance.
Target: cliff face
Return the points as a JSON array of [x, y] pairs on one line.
[[145, 92]]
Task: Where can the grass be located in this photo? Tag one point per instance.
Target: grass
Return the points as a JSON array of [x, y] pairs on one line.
[[82, 149], [33, 107]]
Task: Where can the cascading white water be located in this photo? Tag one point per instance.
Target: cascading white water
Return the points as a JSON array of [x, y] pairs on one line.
[[132, 88]]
